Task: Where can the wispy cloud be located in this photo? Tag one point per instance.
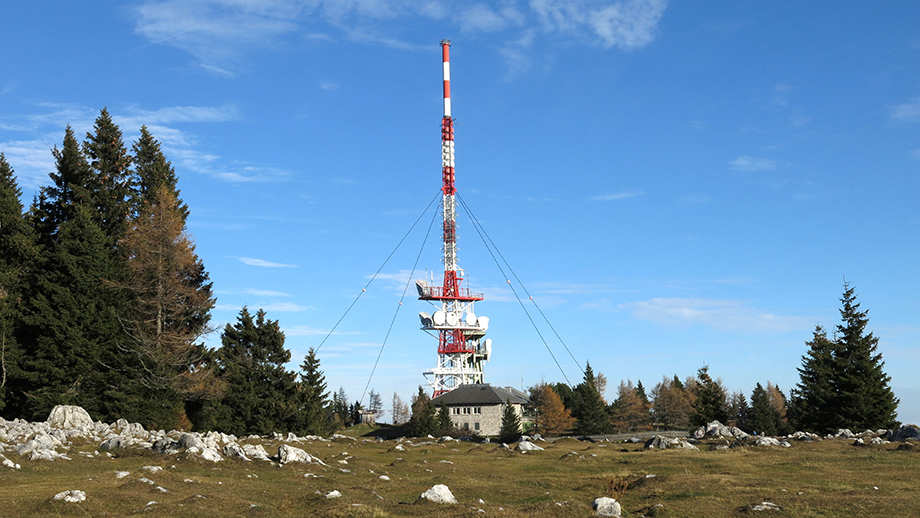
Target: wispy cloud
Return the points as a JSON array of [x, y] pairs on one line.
[[285, 307], [909, 111], [220, 33], [717, 313], [267, 293], [264, 264], [618, 196], [750, 163]]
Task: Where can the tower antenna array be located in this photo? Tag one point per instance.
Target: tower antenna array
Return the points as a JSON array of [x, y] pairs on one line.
[[462, 346]]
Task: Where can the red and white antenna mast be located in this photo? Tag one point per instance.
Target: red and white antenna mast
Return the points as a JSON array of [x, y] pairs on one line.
[[462, 349]]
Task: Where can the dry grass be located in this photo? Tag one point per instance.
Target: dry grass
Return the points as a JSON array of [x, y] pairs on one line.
[[826, 479]]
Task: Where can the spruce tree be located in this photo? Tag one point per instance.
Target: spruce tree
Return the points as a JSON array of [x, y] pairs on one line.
[[315, 412], [18, 257], [589, 408], [423, 421], [153, 172], [262, 396], [711, 400], [110, 187], [57, 202], [445, 425], [511, 424], [762, 417], [842, 381]]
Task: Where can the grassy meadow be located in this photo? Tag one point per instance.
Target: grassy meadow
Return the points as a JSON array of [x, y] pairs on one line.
[[832, 478]]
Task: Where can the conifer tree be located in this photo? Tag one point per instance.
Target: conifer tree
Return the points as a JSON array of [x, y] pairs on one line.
[[445, 425], [375, 404], [262, 395], [552, 417], [629, 412], [738, 410], [589, 408], [18, 256], [110, 187], [671, 404], [711, 402], [762, 417], [842, 381], [400, 411], [153, 172], [170, 300], [511, 424], [315, 413], [424, 420], [57, 202]]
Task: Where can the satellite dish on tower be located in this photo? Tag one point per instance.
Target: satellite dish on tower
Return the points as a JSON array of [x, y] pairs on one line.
[[439, 318], [453, 319], [483, 323], [488, 348], [470, 319]]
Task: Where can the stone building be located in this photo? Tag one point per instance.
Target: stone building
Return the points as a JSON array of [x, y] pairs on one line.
[[478, 408]]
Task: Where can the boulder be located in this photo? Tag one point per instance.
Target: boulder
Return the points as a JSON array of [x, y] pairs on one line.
[[73, 496], [904, 433], [255, 451], [605, 506], [528, 446], [191, 440], [69, 417], [236, 451], [291, 454], [333, 494], [659, 442], [439, 494]]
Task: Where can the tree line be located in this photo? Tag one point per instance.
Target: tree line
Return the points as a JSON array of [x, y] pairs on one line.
[[104, 303], [842, 385]]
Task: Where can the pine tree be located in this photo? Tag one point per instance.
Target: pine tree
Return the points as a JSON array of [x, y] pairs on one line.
[[423, 421], [738, 410], [711, 402], [511, 424], [589, 408], [843, 384], [57, 202], [153, 172], [262, 396], [315, 414], [340, 407]]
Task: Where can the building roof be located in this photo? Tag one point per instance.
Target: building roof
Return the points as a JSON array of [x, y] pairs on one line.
[[481, 394]]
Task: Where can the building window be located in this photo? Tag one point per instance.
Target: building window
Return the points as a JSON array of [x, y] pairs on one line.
[[466, 410], [466, 426], [476, 426], [477, 410], [455, 410]]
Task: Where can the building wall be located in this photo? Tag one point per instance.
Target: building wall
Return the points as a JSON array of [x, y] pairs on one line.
[[487, 422]]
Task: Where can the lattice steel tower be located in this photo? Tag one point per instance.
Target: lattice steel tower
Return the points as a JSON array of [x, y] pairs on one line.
[[462, 346]]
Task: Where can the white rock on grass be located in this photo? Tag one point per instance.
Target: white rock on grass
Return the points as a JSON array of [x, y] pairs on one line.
[[333, 494], [255, 451], [68, 417], [288, 453], [439, 494], [605, 506], [235, 450], [528, 446], [766, 506], [73, 496]]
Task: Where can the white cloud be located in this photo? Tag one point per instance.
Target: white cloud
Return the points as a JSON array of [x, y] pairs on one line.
[[267, 293], [750, 163], [219, 33], [618, 196], [909, 111], [721, 314], [284, 307], [264, 264], [628, 25]]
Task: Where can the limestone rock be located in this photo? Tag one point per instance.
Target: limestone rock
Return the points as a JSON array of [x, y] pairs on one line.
[[236, 451], [439, 494], [333, 494], [659, 442], [904, 433], [68, 417], [528, 446], [605, 506], [291, 454], [73, 496], [255, 451]]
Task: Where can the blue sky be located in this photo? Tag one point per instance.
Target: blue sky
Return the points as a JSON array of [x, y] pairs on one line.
[[675, 183]]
